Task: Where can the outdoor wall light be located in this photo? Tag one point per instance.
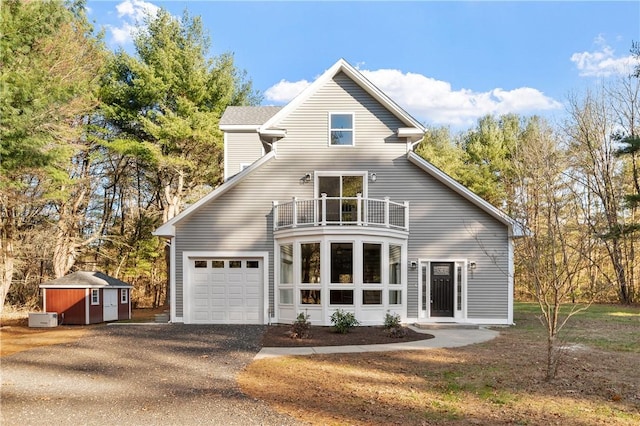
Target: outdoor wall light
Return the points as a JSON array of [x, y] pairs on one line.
[[373, 177], [413, 264], [472, 265], [306, 178]]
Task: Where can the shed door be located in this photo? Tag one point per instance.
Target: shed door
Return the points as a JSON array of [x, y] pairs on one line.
[[110, 305], [226, 291]]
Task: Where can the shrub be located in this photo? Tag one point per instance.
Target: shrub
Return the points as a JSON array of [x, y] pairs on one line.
[[343, 321], [391, 321], [393, 326], [301, 328]]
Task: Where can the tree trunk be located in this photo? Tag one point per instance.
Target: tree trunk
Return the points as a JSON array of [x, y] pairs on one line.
[[6, 269]]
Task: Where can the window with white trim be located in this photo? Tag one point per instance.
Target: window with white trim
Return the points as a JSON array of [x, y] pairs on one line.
[[341, 129], [95, 296], [124, 296]]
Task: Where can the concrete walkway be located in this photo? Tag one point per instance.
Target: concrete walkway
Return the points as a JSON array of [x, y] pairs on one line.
[[444, 338]]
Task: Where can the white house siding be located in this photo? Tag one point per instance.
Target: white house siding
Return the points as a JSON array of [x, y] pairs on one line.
[[442, 224], [241, 148]]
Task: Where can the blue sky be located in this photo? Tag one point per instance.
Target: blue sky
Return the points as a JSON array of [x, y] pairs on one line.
[[446, 63]]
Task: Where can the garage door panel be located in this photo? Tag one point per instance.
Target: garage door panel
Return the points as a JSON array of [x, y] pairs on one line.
[[229, 294]]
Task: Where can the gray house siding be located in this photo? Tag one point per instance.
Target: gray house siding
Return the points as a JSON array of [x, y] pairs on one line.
[[443, 225], [242, 148]]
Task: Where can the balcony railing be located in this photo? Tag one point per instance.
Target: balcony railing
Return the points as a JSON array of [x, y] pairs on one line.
[[340, 211]]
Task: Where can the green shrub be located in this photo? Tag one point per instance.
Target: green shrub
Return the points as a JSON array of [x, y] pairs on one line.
[[343, 321], [391, 321], [301, 328], [393, 326]]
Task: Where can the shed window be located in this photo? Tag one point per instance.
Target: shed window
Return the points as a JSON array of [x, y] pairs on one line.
[[95, 296], [124, 295], [341, 129]]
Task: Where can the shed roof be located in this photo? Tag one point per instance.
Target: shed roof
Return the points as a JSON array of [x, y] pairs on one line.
[[86, 279], [248, 115]]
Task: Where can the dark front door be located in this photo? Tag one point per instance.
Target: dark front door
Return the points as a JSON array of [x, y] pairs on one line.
[[442, 289]]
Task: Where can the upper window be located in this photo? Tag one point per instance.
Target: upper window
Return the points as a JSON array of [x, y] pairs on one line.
[[124, 295], [341, 129]]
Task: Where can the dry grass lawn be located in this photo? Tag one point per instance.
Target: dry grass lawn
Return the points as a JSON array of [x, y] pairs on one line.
[[498, 382]]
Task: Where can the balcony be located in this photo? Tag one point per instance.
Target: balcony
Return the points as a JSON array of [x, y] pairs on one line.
[[341, 211]]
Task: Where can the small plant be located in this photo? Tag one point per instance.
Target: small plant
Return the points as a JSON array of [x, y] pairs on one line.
[[301, 328], [393, 326], [391, 321], [343, 321]]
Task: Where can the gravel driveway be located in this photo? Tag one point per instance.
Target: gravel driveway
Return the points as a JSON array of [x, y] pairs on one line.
[[137, 375]]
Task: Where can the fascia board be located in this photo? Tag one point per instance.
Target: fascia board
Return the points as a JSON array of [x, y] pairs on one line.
[[356, 76], [168, 229], [273, 133], [302, 96], [514, 228], [412, 133], [66, 286], [381, 97]]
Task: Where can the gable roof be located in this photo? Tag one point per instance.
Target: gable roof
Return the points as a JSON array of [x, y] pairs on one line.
[[84, 279], [515, 229], [413, 128]]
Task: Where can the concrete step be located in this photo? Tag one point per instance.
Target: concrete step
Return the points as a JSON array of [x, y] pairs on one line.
[[446, 326]]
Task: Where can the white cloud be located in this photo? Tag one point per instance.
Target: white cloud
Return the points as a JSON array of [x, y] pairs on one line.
[[435, 102], [284, 91], [131, 14], [602, 62]]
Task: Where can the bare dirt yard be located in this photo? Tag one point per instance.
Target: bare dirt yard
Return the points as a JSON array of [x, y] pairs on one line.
[[16, 336]]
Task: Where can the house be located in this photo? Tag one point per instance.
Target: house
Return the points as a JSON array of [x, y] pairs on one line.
[[325, 206], [86, 297]]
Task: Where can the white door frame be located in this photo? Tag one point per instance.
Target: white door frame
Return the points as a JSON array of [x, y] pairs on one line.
[[458, 314]]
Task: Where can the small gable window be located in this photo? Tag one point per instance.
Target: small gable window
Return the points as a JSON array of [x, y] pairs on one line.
[[341, 129]]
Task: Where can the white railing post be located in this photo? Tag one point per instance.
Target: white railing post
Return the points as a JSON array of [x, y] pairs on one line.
[[359, 209], [275, 215], [295, 213], [386, 212], [323, 208], [406, 215]]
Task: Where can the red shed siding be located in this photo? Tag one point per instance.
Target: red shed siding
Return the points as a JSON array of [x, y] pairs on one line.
[[124, 313], [95, 311], [69, 303]]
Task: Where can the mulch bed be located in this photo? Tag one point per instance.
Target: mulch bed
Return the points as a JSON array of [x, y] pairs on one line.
[[278, 336]]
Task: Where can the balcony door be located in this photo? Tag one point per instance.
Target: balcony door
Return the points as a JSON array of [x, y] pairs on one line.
[[337, 185]]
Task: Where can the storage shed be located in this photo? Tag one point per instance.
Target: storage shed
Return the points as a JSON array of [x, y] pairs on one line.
[[86, 297]]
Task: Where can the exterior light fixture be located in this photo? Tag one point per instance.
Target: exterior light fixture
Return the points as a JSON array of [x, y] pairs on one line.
[[306, 178], [373, 177], [472, 265]]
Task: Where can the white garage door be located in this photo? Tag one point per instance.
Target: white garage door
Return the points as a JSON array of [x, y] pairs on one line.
[[226, 291]]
